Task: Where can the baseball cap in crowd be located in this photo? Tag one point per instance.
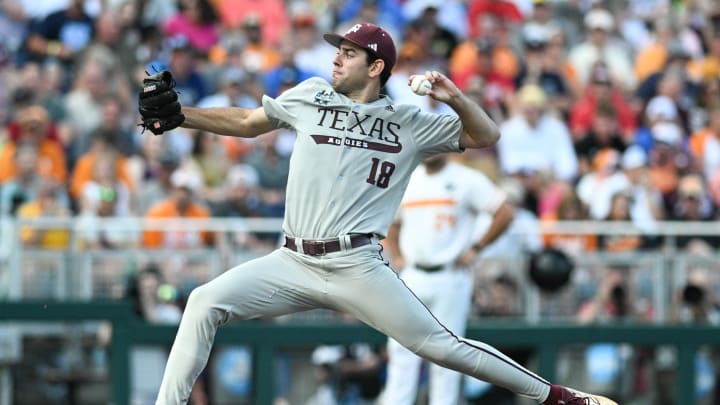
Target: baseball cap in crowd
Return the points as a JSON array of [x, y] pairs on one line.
[[242, 175], [667, 132], [370, 37], [535, 36], [599, 19], [186, 179], [633, 158], [532, 95], [661, 108]]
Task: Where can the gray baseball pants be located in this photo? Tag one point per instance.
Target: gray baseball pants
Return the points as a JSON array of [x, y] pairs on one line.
[[356, 282]]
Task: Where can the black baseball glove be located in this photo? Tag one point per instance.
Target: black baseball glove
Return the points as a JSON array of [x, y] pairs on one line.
[[158, 103]]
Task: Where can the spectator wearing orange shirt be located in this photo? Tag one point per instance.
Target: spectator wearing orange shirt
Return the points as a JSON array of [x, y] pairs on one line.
[[709, 66], [34, 124], [490, 55], [705, 145], [602, 134], [180, 204], [103, 144], [653, 57], [570, 209], [620, 206], [258, 56], [25, 186]]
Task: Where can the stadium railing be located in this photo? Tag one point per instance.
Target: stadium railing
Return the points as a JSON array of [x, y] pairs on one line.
[[73, 295]]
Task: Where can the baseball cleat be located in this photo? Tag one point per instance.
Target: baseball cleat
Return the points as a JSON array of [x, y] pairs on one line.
[[570, 396]]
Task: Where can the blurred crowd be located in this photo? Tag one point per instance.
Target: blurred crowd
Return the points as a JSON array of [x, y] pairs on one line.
[[609, 110]]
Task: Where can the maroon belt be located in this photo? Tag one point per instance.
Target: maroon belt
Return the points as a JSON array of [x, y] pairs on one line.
[[323, 247]]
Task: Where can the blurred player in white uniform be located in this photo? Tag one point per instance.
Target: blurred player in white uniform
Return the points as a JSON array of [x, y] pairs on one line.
[[351, 163], [432, 243]]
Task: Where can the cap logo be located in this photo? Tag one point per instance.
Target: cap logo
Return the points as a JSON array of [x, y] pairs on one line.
[[373, 47], [355, 28]]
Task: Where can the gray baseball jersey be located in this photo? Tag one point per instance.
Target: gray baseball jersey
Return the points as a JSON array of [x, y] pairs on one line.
[[370, 149]]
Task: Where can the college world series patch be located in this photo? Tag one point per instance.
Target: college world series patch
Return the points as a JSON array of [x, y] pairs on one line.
[[324, 97]]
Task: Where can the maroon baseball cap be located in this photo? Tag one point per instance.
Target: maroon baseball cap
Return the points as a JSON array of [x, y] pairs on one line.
[[369, 37]]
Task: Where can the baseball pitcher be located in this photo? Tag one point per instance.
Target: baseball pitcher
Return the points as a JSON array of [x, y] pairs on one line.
[[354, 153]]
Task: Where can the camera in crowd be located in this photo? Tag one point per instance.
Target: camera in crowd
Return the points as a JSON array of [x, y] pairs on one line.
[[693, 295]]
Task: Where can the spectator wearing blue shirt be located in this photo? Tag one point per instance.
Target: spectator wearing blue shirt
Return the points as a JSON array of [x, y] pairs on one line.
[[288, 73], [62, 34], [190, 84]]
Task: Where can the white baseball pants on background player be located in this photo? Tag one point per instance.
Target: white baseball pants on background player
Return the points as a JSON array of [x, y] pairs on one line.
[[447, 293], [436, 225], [355, 281]]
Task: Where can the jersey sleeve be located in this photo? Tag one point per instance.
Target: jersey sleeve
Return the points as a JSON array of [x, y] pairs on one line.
[[484, 195], [284, 110], [435, 133]]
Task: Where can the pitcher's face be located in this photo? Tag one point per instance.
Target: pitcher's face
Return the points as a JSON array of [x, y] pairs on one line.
[[350, 69]]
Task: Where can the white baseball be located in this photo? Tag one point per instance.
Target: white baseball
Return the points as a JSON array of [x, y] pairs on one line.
[[420, 85]]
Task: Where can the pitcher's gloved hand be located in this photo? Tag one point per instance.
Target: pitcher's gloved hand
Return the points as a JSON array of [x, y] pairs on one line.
[[158, 103]]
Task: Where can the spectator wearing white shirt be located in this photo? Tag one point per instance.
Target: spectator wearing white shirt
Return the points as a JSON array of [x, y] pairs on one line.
[[646, 206], [535, 141], [600, 24], [596, 188]]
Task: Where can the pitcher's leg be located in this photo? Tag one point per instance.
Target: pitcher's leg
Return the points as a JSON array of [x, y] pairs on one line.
[[381, 300], [403, 366], [451, 307], [270, 285], [402, 375]]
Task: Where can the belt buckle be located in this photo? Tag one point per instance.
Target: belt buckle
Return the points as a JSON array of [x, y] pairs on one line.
[[318, 251]]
